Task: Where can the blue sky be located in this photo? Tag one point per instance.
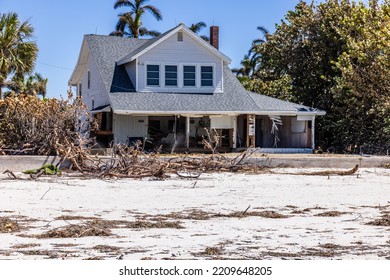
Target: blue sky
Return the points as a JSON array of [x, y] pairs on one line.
[[60, 26]]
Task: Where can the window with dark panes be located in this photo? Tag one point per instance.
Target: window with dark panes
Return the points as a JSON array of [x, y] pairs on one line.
[[80, 89], [153, 75], [170, 75], [206, 76], [189, 75], [89, 80]]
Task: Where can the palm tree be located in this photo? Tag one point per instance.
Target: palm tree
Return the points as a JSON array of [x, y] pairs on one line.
[[133, 18], [33, 85], [264, 32], [17, 53], [40, 85], [197, 27], [125, 27], [250, 63]]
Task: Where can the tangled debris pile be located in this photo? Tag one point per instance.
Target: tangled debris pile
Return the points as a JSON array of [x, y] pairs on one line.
[[32, 126], [134, 162]]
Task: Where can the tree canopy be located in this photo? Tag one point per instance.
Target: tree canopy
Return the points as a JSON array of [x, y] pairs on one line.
[[334, 56], [17, 52], [130, 23]]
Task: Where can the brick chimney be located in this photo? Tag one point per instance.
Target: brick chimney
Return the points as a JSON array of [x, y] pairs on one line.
[[214, 36]]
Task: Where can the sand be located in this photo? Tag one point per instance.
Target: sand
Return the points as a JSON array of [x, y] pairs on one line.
[[218, 216]]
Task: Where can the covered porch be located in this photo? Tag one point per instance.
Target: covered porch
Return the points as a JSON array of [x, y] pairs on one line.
[[185, 132]]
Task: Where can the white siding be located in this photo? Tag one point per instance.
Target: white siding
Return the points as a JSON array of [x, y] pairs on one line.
[[126, 126], [131, 69], [172, 52], [97, 90]]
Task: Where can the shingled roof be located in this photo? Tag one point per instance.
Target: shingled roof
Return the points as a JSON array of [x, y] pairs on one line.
[[108, 50]]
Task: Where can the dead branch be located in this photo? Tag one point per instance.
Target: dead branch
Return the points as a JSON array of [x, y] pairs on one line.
[[10, 174], [331, 172]]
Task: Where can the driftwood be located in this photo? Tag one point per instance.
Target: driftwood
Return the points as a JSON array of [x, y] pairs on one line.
[[330, 172]]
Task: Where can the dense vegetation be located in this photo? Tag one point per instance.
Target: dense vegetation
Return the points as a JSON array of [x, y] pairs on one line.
[[28, 124], [334, 56]]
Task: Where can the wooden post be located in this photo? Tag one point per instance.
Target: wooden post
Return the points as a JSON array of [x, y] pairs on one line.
[[188, 132], [313, 131], [235, 132], [251, 131]]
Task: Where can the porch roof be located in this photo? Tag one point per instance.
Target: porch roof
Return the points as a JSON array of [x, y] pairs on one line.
[[269, 104]]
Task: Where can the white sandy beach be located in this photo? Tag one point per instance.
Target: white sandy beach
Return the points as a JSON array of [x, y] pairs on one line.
[[290, 217]]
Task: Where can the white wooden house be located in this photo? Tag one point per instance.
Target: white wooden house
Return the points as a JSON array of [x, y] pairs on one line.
[[171, 88]]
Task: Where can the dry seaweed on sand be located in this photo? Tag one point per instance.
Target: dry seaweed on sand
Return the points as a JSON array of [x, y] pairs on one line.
[[262, 214], [106, 248], [73, 218], [330, 214], [8, 226], [210, 251], [138, 224], [74, 231], [98, 227], [384, 221]]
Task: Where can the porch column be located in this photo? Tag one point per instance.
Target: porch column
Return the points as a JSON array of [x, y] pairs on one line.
[[188, 132], [313, 132], [250, 136], [235, 132]]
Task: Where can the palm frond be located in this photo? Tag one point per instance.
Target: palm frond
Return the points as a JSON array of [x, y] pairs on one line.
[[145, 32], [121, 3], [196, 27], [206, 38], [154, 11]]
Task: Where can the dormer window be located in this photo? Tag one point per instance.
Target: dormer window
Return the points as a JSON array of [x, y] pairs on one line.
[[206, 76], [189, 75], [171, 75], [153, 75]]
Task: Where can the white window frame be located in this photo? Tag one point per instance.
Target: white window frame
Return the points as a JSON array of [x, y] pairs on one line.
[[213, 66], [196, 74], [159, 76], [178, 75]]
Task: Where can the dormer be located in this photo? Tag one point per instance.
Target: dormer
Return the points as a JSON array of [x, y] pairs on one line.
[[177, 61]]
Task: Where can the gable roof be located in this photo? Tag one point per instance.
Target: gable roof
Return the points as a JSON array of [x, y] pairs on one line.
[[161, 38], [105, 51]]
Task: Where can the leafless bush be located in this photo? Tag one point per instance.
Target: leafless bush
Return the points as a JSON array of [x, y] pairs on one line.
[[32, 126]]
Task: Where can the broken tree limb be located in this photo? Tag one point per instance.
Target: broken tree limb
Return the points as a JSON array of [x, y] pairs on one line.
[[330, 172], [10, 174]]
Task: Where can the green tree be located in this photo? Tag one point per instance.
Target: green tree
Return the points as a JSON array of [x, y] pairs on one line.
[[333, 56], [130, 23], [250, 63], [197, 27], [30, 85], [17, 52]]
